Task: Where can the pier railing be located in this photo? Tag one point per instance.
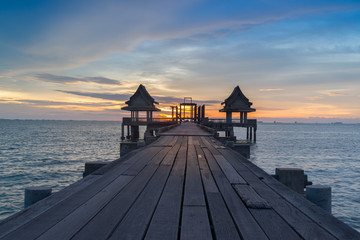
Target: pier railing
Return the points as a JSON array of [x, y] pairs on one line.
[[234, 122], [144, 120]]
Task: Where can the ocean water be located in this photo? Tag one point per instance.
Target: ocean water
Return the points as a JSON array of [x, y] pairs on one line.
[[328, 153], [50, 153], [53, 153]]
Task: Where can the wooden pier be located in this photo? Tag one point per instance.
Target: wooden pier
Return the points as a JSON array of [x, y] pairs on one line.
[[185, 185]]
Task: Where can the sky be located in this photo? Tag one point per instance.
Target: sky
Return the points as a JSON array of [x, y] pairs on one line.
[[82, 59]]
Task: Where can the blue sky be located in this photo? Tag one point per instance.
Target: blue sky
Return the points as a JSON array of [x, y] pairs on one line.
[[81, 59]]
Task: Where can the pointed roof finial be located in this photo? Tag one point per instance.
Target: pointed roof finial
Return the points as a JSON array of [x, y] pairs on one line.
[[237, 102], [141, 101]]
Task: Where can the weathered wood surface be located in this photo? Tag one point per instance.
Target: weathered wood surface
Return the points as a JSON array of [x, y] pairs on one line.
[[186, 129], [186, 185]]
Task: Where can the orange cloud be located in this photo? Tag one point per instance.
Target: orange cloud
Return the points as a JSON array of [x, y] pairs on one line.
[[271, 89], [333, 94]]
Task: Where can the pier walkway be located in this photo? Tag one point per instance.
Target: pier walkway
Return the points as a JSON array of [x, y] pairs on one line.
[[183, 186]]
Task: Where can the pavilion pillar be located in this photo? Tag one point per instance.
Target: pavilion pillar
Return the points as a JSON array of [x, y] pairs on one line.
[[180, 114], [192, 112], [241, 117], [247, 133], [245, 117], [199, 113], [128, 132], [251, 128], [228, 117], [195, 114], [135, 133], [203, 111], [177, 114], [255, 134], [122, 132]]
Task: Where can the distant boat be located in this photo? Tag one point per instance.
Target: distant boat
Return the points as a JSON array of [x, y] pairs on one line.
[[337, 123]]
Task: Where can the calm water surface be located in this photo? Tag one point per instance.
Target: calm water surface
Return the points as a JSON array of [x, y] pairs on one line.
[[329, 154], [53, 153], [49, 153]]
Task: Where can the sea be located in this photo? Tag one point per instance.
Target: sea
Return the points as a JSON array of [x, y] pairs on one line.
[[52, 153]]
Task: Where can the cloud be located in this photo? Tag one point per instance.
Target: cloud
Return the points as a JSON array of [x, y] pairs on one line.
[[270, 109], [125, 97], [314, 98], [333, 94], [47, 77], [270, 89], [105, 96], [55, 103], [118, 27]]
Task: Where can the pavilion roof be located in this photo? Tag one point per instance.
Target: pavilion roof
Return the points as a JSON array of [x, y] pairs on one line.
[[237, 102], [141, 101]]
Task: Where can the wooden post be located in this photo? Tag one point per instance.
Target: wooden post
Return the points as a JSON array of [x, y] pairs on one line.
[[251, 133], [192, 112], [247, 133], [291, 177], [177, 114], [134, 133], [199, 113], [35, 194], [241, 117], [91, 167], [228, 117], [255, 135], [122, 131], [195, 114], [180, 113], [320, 195], [128, 132]]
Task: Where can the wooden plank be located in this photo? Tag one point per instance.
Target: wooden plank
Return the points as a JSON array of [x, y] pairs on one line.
[[108, 218], [23, 217], [246, 224], [174, 140], [303, 225], [67, 227], [170, 157], [193, 192], [160, 142], [186, 129], [233, 176], [136, 221], [326, 221], [39, 224], [250, 197], [222, 222], [273, 225], [157, 159], [145, 158], [229, 171], [166, 219], [195, 223]]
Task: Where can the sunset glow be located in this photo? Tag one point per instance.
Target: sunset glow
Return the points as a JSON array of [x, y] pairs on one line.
[[295, 60]]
